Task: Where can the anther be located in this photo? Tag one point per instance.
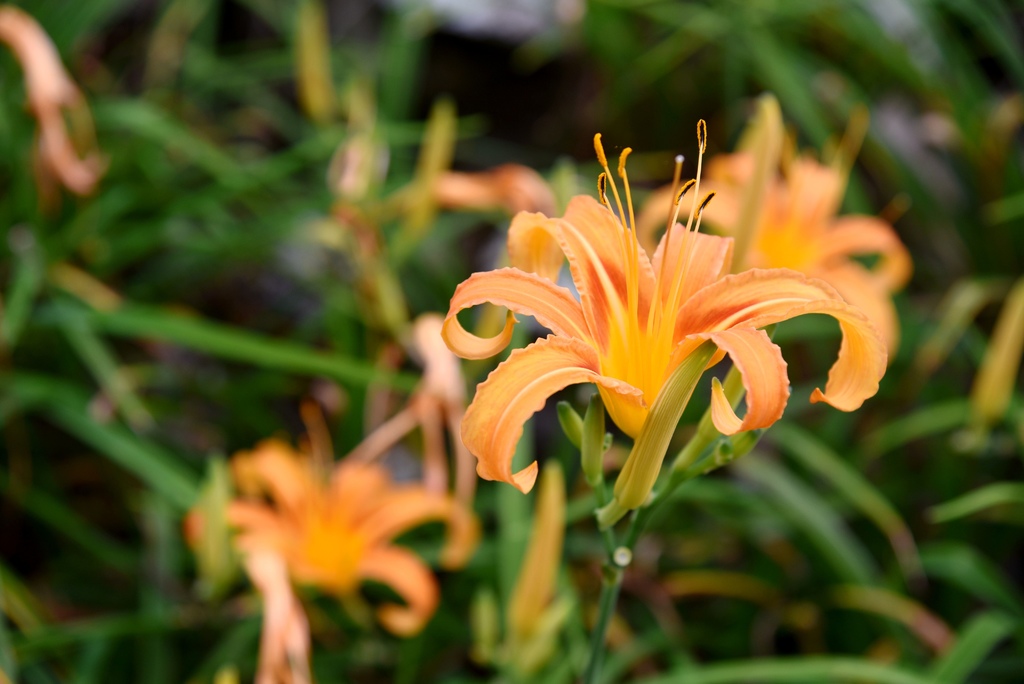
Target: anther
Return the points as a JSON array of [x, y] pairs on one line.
[[683, 190], [622, 161], [702, 136], [602, 183], [704, 203], [599, 150]]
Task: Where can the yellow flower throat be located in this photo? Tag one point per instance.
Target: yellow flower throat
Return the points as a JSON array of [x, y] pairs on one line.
[[641, 333]]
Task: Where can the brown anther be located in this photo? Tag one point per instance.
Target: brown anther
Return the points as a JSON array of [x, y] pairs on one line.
[[602, 184], [705, 202], [683, 190]]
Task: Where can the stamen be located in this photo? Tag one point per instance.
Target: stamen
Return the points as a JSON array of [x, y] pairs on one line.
[[622, 161], [707, 199], [602, 185], [683, 190], [599, 150], [702, 136]]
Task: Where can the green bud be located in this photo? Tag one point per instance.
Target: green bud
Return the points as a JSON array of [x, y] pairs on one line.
[[572, 424], [593, 447]]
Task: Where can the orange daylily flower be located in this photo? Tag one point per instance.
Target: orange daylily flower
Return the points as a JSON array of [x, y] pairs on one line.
[[50, 91], [335, 531], [636, 320]]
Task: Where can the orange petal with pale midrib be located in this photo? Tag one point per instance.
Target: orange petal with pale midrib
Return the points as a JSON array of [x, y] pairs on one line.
[[518, 388], [760, 297], [527, 293]]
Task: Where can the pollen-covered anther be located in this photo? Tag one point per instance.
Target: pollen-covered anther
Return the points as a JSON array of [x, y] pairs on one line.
[[599, 150], [707, 200], [622, 161], [602, 187], [683, 190], [702, 136]]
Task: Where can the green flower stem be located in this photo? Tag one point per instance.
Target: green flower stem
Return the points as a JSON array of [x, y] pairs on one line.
[[611, 583]]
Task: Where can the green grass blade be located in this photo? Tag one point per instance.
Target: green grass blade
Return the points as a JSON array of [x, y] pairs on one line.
[[240, 345], [965, 567], [981, 499], [810, 514], [811, 669], [68, 407], [854, 487], [974, 642]]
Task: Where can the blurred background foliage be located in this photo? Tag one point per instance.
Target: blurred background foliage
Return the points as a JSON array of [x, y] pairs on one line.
[[223, 271]]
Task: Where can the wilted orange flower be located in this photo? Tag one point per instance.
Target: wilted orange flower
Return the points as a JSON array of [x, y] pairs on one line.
[[335, 530], [635, 322], [438, 401], [510, 186], [284, 643], [50, 91]]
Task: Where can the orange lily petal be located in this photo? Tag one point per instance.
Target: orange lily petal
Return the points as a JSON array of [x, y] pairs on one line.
[[727, 175], [763, 370], [277, 469], [408, 507], [596, 245], [409, 578], [527, 293], [860, 288], [533, 245], [814, 192], [517, 389], [284, 643], [859, 235], [708, 258], [259, 527], [756, 298]]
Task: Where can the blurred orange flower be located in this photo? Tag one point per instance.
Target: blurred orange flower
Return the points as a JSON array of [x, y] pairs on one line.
[[284, 643], [636, 320], [512, 187], [50, 92], [335, 529], [798, 228]]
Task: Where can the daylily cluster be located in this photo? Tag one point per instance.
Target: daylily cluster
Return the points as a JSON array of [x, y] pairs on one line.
[[636, 320]]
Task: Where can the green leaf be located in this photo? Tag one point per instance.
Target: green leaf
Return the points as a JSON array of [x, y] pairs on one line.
[[138, 321], [812, 669], [981, 499], [810, 514], [854, 487], [68, 407], [965, 567], [973, 643]]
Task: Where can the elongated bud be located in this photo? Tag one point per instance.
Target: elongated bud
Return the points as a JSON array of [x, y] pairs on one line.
[[535, 585], [484, 625], [993, 386], [572, 424], [637, 478], [592, 447], [313, 62]]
